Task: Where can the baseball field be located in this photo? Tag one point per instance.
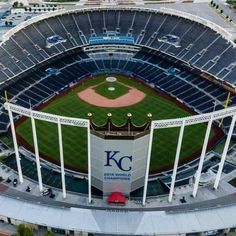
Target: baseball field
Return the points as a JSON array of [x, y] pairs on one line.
[[92, 96]]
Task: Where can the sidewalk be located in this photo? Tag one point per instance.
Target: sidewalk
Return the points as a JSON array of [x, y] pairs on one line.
[[7, 229]]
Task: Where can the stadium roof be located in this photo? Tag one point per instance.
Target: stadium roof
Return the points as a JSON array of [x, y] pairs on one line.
[[119, 222]]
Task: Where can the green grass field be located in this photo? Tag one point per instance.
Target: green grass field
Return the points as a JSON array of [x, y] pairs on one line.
[[120, 90], [74, 139]]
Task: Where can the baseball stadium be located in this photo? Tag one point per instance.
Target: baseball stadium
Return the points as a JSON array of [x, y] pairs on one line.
[[118, 121]]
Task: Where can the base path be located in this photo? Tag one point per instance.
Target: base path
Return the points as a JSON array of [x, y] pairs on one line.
[[132, 97]]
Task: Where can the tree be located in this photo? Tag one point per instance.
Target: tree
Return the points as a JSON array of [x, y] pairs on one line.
[[15, 4], [24, 231], [49, 233]]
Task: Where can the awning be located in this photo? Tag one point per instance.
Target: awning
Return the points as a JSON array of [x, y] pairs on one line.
[[116, 197]]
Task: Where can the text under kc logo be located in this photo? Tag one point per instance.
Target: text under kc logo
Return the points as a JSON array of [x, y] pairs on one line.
[[116, 158]]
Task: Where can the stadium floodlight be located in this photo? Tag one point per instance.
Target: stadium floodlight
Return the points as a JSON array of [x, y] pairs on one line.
[[61, 159], [17, 155], [177, 154], [36, 151], [224, 154]]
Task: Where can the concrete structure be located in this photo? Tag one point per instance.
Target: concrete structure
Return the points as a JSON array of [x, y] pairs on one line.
[[182, 122]]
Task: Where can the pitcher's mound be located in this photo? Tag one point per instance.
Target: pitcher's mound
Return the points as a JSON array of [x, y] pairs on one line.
[[90, 96]]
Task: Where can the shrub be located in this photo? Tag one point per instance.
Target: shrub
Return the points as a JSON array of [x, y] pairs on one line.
[[24, 231], [49, 233], [15, 4]]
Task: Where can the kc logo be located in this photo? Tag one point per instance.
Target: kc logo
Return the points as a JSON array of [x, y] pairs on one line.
[[115, 157]]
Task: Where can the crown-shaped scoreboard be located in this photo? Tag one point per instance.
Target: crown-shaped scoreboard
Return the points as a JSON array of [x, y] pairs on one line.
[[119, 155]]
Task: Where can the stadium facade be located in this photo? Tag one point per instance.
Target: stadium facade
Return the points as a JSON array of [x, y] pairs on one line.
[[189, 58]]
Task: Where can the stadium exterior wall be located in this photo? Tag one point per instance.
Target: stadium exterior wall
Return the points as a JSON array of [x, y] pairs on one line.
[[117, 222]]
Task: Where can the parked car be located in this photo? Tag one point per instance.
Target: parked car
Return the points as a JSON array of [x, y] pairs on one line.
[[210, 233]]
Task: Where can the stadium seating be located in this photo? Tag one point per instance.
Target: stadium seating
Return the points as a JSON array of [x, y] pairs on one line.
[[32, 72], [196, 92], [199, 46], [27, 47]]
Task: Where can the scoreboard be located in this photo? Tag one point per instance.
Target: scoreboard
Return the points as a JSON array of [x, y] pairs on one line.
[[96, 40]]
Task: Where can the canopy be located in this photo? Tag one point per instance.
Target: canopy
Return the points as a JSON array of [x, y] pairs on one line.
[[116, 197]]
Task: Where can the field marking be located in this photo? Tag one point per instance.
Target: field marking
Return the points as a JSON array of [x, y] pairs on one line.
[[103, 82], [133, 97]]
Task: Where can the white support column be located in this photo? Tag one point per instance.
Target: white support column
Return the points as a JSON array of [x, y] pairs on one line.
[[224, 154], [36, 150], [61, 158], [89, 164], [148, 164], [173, 177], [203, 153], [13, 131]]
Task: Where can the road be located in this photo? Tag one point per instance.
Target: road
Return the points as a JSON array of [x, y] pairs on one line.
[[227, 10]]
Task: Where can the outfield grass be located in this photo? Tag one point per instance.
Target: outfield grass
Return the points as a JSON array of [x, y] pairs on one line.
[[7, 140], [120, 89], [220, 146], [74, 139]]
